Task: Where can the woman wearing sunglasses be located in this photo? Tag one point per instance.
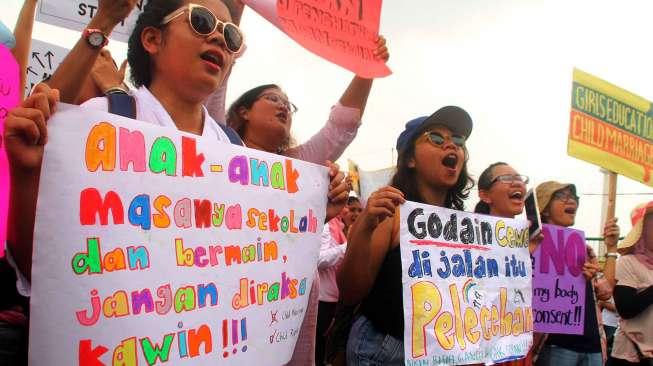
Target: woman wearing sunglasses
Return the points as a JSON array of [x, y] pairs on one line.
[[263, 117], [432, 169], [558, 203], [176, 62], [502, 191]]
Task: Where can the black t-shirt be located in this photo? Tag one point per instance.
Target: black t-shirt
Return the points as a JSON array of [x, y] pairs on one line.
[[590, 340]]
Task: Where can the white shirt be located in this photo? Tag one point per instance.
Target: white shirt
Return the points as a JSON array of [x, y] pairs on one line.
[[331, 255], [610, 318], [149, 109]]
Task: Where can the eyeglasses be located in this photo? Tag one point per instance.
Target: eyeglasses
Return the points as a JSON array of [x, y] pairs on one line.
[[566, 196], [510, 179], [437, 139], [203, 22], [278, 99]]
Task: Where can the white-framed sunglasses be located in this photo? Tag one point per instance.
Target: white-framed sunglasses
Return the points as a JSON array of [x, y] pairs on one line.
[[203, 22]]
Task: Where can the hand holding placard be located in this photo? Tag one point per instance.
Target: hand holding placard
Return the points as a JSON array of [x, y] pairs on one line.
[[118, 16], [110, 13], [381, 204], [343, 32], [26, 130], [611, 234]]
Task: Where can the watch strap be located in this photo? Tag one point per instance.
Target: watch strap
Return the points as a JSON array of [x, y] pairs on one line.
[[87, 33]]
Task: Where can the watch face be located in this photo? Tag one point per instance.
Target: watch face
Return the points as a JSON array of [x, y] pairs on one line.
[[96, 39]]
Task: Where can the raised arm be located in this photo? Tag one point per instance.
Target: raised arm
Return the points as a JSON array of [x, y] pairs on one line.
[[340, 129], [369, 240], [23, 35], [356, 94], [77, 66], [236, 8]]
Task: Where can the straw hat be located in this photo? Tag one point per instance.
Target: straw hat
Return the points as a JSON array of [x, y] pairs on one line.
[[546, 190], [637, 219]]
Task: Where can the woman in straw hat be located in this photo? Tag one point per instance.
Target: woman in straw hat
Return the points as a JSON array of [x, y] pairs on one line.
[[558, 203], [633, 294]]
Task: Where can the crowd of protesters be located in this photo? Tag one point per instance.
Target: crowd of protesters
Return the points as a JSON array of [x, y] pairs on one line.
[[180, 56]]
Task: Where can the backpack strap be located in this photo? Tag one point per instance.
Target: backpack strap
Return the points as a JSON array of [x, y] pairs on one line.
[[231, 134], [122, 104]]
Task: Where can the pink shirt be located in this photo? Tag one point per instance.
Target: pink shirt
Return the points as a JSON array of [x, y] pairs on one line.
[[332, 139]]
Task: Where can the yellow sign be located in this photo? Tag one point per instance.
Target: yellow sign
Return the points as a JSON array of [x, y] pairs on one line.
[[611, 127]]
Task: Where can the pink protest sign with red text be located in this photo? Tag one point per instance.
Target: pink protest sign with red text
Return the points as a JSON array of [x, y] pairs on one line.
[[343, 32], [9, 98]]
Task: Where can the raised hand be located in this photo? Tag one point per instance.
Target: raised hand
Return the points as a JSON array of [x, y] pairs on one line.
[[110, 13], [381, 52], [611, 234], [590, 269]]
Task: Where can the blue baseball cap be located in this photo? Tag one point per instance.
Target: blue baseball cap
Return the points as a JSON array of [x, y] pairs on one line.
[[454, 118]]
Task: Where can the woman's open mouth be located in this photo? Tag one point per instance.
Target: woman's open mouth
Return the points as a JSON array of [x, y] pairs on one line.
[[570, 210], [214, 58], [450, 161], [516, 196], [283, 117]]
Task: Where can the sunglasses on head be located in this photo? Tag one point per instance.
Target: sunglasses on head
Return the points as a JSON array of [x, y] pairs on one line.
[[203, 22], [437, 139]]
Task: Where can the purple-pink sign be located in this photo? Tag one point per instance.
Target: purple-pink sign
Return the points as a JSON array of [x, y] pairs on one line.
[[9, 98], [558, 282]]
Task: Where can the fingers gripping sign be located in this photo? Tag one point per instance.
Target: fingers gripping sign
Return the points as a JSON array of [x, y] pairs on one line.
[[26, 130], [338, 190], [382, 204]]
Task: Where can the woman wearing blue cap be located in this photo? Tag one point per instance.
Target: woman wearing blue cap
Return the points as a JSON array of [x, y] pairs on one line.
[[432, 169]]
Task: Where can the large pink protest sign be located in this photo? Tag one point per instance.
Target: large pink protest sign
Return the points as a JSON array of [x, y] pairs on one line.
[[343, 32], [558, 282], [9, 98]]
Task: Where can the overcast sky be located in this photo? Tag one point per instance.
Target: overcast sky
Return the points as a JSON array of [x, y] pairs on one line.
[[507, 62]]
